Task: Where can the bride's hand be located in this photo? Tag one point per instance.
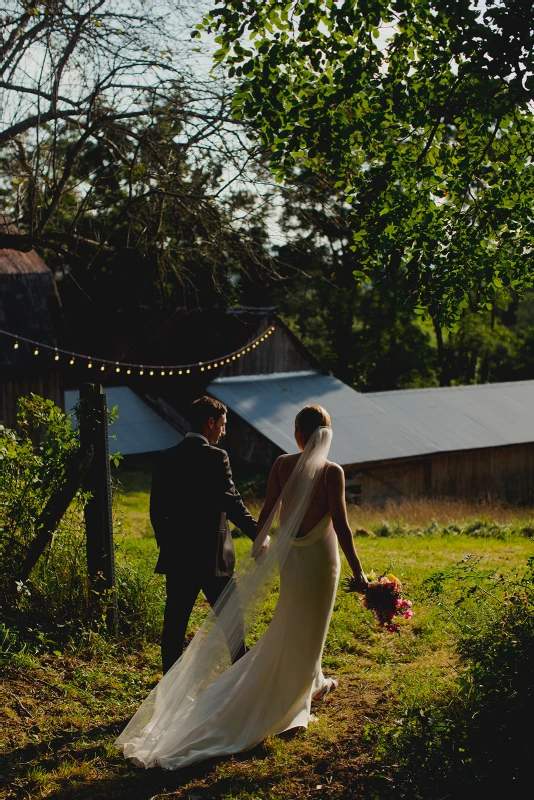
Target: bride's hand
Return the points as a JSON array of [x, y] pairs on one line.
[[265, 549], [360, 582]]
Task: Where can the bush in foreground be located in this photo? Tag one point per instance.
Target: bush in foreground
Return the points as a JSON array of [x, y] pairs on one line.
[[477, 737]]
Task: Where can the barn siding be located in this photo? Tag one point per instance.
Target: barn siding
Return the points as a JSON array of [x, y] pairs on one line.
[[244, 442], [503, 473], [281, 352], [48, 385]]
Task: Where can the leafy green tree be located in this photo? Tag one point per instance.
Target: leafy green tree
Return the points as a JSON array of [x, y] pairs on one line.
[[426, 133]]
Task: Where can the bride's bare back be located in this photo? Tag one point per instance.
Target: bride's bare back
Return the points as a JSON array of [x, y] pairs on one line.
[[319, 506], [328, 498]]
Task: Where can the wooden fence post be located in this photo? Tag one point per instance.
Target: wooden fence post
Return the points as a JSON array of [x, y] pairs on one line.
[[98, 516]]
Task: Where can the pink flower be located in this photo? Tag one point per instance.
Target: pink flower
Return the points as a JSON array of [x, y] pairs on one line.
[[408, 614]]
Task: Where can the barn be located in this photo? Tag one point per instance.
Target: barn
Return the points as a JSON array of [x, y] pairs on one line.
[[466, 442], [30, 307], [470, 442]]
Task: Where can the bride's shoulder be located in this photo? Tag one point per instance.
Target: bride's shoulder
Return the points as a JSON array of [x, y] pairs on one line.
[[333, 471]]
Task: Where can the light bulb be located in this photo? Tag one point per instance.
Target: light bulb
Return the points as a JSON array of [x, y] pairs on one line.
[[128, 371], [36, 352], [16, 346], [89, 365], [71, 361]]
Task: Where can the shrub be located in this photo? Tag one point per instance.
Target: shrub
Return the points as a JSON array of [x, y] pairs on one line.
[[53, 606], [477, 736]]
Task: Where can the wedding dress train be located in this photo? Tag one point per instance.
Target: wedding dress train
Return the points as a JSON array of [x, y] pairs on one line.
[[269, 690]]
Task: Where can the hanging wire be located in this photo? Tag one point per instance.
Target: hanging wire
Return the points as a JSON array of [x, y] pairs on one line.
[[163, 369]]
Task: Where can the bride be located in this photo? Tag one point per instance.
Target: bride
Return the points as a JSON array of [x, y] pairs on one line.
[[206, 705]]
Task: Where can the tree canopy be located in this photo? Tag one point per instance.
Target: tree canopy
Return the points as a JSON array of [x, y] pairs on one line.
[[421, 114]]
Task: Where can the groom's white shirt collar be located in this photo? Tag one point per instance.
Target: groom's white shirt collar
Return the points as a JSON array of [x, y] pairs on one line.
[[192, 434]]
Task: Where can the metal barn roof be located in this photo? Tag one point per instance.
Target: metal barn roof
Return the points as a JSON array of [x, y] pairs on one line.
[[384, 425], [138, 429]]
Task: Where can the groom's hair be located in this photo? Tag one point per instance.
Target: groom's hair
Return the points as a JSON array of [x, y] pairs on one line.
[[202, 409], [312, 417]]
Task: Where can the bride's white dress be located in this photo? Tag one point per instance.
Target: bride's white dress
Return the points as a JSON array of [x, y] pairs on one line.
[[270, 689]]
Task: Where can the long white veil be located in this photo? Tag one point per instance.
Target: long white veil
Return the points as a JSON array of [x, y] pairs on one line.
[[220, 637]]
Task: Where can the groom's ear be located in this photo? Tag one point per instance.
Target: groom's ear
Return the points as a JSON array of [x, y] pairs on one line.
[[211, 422]]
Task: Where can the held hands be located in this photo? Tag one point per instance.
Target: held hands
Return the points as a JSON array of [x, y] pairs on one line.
[[264, 550]]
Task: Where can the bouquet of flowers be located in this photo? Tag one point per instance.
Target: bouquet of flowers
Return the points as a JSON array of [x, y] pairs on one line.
[[383, 597]]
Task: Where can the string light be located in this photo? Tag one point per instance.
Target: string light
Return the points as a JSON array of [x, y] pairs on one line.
[[129, 368]]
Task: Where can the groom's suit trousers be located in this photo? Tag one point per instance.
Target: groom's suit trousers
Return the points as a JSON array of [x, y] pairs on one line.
[[182, 592]]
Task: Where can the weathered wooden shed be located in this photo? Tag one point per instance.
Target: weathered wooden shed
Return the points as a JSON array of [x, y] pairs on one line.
[[29, 307]]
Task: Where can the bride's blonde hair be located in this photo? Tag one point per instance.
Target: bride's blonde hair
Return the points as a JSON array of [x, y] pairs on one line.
[[310, 418]]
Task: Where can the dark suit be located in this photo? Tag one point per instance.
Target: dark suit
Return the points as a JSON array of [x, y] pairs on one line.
[[193, 495]]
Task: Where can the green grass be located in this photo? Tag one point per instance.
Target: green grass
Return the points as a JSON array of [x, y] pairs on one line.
[[63, 711]]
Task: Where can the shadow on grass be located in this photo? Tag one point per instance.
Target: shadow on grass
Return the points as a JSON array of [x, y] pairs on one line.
[[119, 779]]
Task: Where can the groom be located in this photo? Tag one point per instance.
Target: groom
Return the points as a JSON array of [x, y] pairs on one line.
[[192, 497]]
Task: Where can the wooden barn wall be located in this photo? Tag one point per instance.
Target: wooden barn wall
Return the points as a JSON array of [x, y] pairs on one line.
[[279, 353], [48, 385], [242, 441], [503, 473]]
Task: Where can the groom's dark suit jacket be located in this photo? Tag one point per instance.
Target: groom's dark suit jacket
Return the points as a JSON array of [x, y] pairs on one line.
[[193, 495]]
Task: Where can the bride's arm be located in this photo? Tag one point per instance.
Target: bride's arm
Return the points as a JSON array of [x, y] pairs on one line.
[[271, 495], [335, 483]]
